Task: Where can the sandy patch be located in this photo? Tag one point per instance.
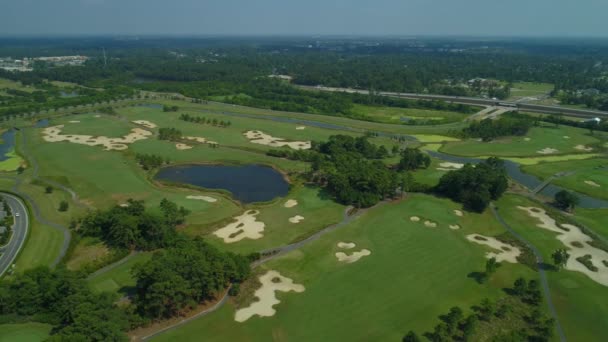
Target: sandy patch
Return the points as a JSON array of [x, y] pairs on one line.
[[197, 139], [180, 146], [454, 226], [547, 150], [430, 224], [124, 205], [259, 137], [458, 213], [202, 198], [592, 183], [415, 219], [272, 281], [299, 128], [296, 219], [346, 245], [506, 252], [447, 166], [290, 203], [53, 134], [569, 234], [566, 137], [583, 148], [145, 123], [245, 227], [349, 259], [527, 139], [74, 121], [97, 116]]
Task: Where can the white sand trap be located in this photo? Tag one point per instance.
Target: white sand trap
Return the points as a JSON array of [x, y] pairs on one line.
[[430, 224], [566, 137], [259, 137], [124, 205], [569, 234], [583, 148], [592, 183], [349, 259], [547, 150], [202, 198], [527, 139], [507, 252], [447, 166], [74, 121], [245, 227], [415, 219], [272, 281], [197, 139], [458, 213], [296, 219], [180, 146], [346, 245], [53, 134], [290, 203], [454, 227], [299, 128], [145, 123]]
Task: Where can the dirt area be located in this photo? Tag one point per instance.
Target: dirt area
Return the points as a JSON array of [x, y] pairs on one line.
[[346, 245], [272, 281], [349, 259], [53, 134], [202, 198], [290, 203], [259, 137], [572, 236], [296, 219], [245, 227], [180, 146], [506, 252], [145, 123], [547, 150]]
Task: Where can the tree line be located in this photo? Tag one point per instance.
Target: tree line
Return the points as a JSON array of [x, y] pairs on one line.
[[202, 120]]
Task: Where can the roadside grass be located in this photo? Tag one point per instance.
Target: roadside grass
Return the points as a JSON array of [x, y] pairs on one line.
[[581, 314], [539, 138], [118, 279], [41, 248], [413, 275], [396, 115], [590, 170], [529, 89], [25, 332], [48, 204]]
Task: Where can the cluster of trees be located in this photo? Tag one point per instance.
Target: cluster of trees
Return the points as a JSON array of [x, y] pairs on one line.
[[507, 125], [7, 222], [169, 133], [150, 161], [519, 316], [341, 144], [566, 200], [184, 275], [202, 120], [63, 299], [413, 159], [170, 108], [475, 185], [131, 226]]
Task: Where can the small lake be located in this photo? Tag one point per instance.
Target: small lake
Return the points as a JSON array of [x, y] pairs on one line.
[[8, 143], [248, 184]]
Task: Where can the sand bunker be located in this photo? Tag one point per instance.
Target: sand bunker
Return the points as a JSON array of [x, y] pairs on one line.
[[259, 137], [74, 121], [415, 219], [201, 140], [296, 219], [272, 281], [454, 227], [290, 203], [124, 205], [570, 236], [182, 146], [592, 183], [53, 134], [430, 224], [447, 166], [506, 252], [583, 148], [299, 128], [566, 137], [97, 116], [349, 259], [547, 150], [245, 227], [527, 139], [346, 245], [458, 213], [145, 123], [202, 198]]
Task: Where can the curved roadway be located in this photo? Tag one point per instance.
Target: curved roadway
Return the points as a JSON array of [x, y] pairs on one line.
[[19, 235]]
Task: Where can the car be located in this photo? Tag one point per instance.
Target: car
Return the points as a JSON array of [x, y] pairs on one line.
[[16, 214]]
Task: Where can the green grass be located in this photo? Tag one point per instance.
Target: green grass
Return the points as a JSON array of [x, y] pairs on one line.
[[540, 138], [413, 275], [25, 332], [104, 125], [6, 83], [396, 115], [582, 315], [595, 170], [594, 219], [529, 89], [12, 163], [42, 247], [119, 279]]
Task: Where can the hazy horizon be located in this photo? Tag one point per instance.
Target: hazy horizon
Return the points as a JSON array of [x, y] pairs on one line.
[[475, 18]]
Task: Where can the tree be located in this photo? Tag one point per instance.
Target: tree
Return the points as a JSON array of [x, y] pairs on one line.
[[520, 286], [566, 200], [560, 258], [412, 159], [63, 206], [491, 267], [411, 337], [48, 189], [486, 309]]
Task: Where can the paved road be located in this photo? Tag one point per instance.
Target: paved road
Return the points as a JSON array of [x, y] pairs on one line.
[[584, 113], [20, 229]]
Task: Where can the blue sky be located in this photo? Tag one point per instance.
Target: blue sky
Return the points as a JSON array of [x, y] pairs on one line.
[[289, 17]]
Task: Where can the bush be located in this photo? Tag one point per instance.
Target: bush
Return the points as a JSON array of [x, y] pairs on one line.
[[63, 206]]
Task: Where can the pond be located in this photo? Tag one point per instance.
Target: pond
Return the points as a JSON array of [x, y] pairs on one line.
[[248, 184], [7, 145]]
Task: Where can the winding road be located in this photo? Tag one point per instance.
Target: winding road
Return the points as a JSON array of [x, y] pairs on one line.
[[19, 235]]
